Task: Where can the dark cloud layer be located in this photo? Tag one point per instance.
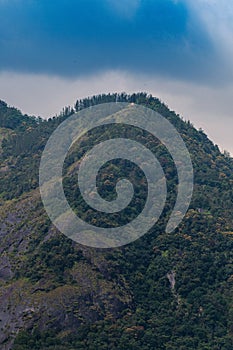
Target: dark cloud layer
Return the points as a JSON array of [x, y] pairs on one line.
[[76, 38]]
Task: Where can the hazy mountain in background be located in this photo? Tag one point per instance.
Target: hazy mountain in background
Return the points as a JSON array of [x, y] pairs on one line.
[[164, 291]]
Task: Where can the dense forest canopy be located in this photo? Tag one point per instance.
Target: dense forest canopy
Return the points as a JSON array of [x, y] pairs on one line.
[[164, 291]]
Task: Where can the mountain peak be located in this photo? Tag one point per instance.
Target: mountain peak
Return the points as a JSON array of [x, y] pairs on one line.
[[12, 118]]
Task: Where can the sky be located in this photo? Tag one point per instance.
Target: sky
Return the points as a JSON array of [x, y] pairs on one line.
[[54, 52]]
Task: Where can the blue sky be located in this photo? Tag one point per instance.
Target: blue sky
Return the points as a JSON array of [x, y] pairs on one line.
[[74, 38], [55, 50]]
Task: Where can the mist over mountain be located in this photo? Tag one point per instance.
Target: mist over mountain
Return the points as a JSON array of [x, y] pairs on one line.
[[165, 291]]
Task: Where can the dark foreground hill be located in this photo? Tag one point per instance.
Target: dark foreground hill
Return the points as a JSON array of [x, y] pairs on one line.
[[164, 291]]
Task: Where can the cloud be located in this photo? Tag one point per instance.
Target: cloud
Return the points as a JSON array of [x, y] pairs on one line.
[[77, 38], [52, 53], [217, 19], [126, 8]]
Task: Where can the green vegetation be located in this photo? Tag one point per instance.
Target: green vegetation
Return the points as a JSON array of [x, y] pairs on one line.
[[55, 294]]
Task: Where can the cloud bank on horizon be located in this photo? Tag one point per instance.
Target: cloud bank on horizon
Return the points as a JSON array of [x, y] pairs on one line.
[[75, 38]]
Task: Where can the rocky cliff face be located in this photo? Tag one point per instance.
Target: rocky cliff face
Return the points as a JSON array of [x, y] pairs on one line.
[[79, 291]]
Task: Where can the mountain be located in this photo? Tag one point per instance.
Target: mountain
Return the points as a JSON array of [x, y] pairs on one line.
[[165, 291]]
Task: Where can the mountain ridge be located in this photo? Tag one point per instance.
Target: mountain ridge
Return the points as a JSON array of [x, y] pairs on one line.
[[164, 291]]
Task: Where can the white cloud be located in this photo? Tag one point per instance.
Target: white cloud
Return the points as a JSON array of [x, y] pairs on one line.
[[217, 18], [47, 95], [125, 8]]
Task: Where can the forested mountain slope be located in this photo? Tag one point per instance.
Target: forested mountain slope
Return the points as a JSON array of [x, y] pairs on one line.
[[164, 291]]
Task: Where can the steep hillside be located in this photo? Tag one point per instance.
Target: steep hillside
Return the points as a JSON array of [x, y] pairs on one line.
[[164, 291]]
